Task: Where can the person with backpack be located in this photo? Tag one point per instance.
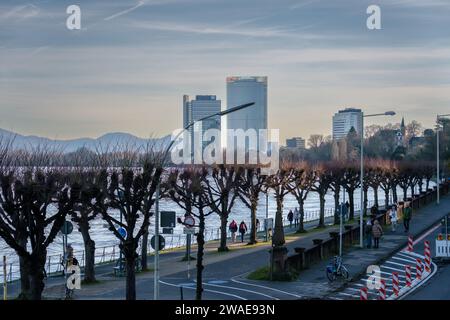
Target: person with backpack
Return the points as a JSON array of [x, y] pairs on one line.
[[233, 229], [407, 213], [290, 218], [377, 232], [242, 230]]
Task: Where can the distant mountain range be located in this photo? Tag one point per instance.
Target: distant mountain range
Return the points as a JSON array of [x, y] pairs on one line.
[[112, 140]]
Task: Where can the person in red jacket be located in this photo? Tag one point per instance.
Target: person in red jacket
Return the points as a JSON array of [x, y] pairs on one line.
[[242, 230]]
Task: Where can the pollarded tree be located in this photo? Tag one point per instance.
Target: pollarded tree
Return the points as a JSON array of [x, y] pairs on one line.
[[42, 200], [300, 186], [251, 184], [221, 184], [385, 179], [351, 183], [376, 178], [324, 179], [132, 192], [337, 171], [188, 189]]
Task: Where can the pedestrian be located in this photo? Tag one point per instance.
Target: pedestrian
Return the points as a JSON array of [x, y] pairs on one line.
[[393, 217], [374, 211], [407, 213], [296, 217], [257, 224], [377, 232], [242, 230], [290, 218], [233, 229], [368, 233]]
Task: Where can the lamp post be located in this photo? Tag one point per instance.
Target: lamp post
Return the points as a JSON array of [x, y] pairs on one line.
[[165, 154], [438, 172], [361, 211]]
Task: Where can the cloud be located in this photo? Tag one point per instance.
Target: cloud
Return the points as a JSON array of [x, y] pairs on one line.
[[121, 13], [21, 12]]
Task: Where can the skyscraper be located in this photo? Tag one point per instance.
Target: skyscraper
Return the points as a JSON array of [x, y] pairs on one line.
[[202, 106], [241, 90], [345, 120]]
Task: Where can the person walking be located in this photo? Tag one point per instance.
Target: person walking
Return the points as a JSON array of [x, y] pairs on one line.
[[290, 218], [393, 217], [368, 233], [233, 229], [242, 230], [257, 224], [377, 232], [407, 213], [296, 217]]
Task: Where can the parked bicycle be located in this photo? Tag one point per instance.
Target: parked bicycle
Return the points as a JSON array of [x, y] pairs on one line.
[[337, 269]]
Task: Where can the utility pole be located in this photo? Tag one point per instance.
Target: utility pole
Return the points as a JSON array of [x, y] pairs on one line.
[[5, 283]]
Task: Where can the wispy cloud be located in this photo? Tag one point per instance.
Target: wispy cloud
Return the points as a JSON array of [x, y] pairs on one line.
[[21, 12], [121, 13]]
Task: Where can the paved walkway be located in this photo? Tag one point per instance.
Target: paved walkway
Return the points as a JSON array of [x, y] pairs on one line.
[[225, 273]]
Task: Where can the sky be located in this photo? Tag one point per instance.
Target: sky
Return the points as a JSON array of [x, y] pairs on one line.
[[129, 66]]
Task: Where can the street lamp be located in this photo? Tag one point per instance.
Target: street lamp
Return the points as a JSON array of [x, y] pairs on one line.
[[438, 173], [361, 211], [166, 153]]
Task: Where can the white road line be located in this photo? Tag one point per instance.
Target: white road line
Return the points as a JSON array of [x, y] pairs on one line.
[[403, 254], [206, 290], [239, 289], [335, 298], [348, 294], [390, 268], [265, 287], [426, 234], [395, 263], [401, 259]]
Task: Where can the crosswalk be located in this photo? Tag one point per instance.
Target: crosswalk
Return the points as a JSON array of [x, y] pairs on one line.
[[396, 263]]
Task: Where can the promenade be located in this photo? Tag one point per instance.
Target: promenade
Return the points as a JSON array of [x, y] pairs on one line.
[[225, 274]]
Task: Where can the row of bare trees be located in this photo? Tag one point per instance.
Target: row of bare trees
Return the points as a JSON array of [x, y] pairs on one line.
[[36, 199]]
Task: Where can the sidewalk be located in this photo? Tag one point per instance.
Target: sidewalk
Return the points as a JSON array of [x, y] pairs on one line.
[[313, 283]]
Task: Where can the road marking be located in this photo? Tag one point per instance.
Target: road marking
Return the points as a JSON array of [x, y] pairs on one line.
[[403, 254], [426, 234], [401, 259], [348, 294], [239, 289], [265, 287], [206, 290], [395, 263], [390, 268]]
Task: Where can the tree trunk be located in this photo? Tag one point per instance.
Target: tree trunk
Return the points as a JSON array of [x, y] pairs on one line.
[[394, 194], [24, 275], [253, 230], [37, 275], [375, 195], [130, 268], [278, 234], [144, 256], [386, 198], [405, 193], [223, 233], [322, 211], [89, 258], [351, 200], [301, 227], [200, 253]]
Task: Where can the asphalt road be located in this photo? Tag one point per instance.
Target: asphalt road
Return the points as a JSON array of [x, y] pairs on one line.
[[437, 288]]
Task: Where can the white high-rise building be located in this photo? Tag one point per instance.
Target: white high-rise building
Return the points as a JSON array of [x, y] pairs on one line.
[[345, 120], [202, 106], [241, 90]]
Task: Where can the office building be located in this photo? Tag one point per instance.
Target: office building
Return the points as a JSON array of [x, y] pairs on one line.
[[241, 90], [202, 106], [296, 142], [345, 120]]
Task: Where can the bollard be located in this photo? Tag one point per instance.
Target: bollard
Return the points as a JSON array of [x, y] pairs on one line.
[[382, 290], [427, 257], [410, 244], [408, 276], [363, 295], [395, 283], [419, 269]]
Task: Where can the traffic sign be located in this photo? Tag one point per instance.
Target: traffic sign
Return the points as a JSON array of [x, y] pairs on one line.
[[161, 242], [167, 230], [189, 221], [123, 232], [168, 219], [187, 230], [67, 227]]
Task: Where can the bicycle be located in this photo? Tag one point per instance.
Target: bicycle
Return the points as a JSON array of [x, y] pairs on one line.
[[337, 269]]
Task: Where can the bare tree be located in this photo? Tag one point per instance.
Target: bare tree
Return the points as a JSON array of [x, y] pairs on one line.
[[251, 184], [324, 179]]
